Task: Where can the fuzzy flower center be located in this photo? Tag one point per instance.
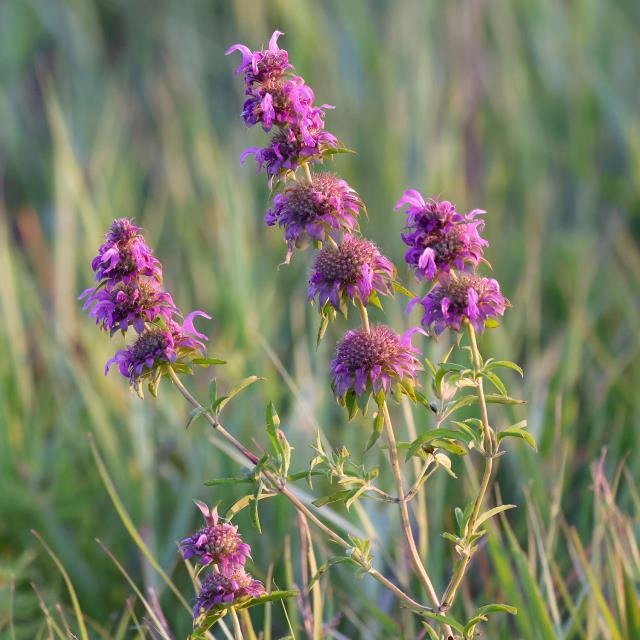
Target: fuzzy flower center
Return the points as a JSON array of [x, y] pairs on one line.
[[121, 230], [149, 344], [222, 539], [308, 200], [344, 263], [457, 290], [365, 350]]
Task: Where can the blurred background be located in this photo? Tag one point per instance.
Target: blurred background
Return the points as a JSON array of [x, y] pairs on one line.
[[111, 108]]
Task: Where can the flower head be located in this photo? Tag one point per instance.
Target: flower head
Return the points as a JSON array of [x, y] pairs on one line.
[[217, 542], [132, 303], [310, 211], [354, 268], [289, 148], [370, 362], [124, 256], [263, 64], [226, 587], [157, 346], [469, 296], [440, 238]]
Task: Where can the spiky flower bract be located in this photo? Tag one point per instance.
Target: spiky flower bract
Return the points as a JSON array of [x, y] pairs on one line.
[[467, 296], [353, 268], [370, 362], [440, 239], [309, 211], [218, 542], [226, 587]]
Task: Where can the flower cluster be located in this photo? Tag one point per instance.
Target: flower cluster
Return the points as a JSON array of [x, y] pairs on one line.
[[369, 361], [311, 211], [438, 237], [130, 294], [447, 246], [354, 268], [219, 544], [277, 97]]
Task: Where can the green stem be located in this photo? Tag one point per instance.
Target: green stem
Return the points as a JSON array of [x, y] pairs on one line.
[[456, 579], [404, 511], [307, 172], [237, 629], [363, 315], [300, 506]]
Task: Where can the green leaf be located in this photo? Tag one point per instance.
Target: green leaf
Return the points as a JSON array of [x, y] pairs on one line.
[[496, 382], [438, 617], [518, 432], [194, 414], [401, 289], [322, 329], [273, 425], [338, 496], [378, 424], [441, 438], [206, 362], [236, 390], [505, 363], [213, 392], [503, 399], [255, 515], [492, 512], [497, 608]]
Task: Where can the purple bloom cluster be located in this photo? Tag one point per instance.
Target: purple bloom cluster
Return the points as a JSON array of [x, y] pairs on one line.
[[438, 237], [219, 544], [226, 587], [277, 97], [354, 268], [130, 294], [158, 346], [468, 296], [310, 211], [368, 362]]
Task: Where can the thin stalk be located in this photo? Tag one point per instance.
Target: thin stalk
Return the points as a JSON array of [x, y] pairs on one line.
[[456, 579], [404, 511], [307, 172], [363, 315], [237, 629], [300, 506]]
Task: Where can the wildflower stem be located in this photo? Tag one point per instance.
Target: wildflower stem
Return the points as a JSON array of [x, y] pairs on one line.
[[237, 629], [456, 579], [307, 172], [300, 506], [363, 314], [404, 511]]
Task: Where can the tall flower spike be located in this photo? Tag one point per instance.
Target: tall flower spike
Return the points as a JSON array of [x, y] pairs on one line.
[[311, 211], [217, 542], [355, 268], [440, 238], [370, 362], [124, 256], [226, 587], [469, 296]]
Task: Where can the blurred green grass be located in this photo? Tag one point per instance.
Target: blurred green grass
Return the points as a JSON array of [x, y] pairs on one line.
[[529, 110]]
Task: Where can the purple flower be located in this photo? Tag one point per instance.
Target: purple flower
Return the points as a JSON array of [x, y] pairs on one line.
[[226, 587], [261, 65], [354, 268], [440, 238], [157, 346], [124, 256], [366, 362], [289, 148], [285, 102], [310, 211], [132, 303], [217, 542], [452, 300]]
